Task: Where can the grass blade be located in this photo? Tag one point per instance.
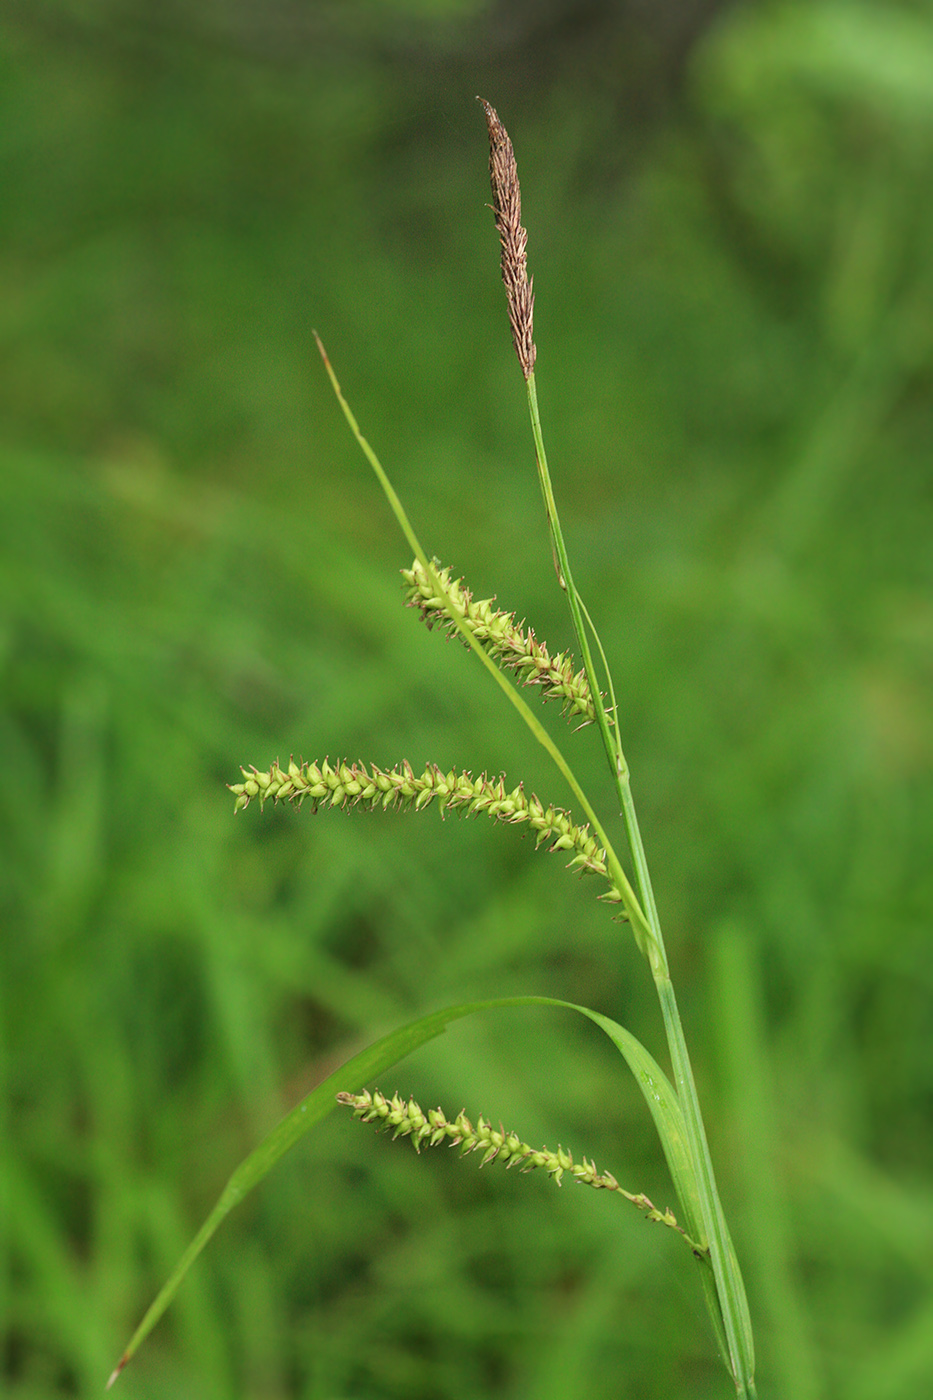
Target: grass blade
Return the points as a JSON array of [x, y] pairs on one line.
[[657, 1089]]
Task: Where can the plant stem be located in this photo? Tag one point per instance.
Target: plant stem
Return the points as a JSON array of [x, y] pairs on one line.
[[729, 1286], [611, 742], [730, 1289]]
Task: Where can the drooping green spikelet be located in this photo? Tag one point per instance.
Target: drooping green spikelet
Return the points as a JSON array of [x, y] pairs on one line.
[[506, 641], [432, 1128], [355, 785]]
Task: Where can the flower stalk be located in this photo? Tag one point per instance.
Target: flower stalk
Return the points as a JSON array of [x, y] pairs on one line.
[[729, 1304]]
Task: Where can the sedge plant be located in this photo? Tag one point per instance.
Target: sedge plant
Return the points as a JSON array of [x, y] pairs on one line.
[[517, 661]]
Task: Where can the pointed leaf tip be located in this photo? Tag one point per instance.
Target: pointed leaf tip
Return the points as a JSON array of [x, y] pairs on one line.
[[117, 1369]]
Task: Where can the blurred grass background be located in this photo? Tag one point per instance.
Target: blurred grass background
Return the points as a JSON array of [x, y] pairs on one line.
[[730, 214]]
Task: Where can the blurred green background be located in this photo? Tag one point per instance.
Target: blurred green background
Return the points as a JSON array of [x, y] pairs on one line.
[[730, 213]]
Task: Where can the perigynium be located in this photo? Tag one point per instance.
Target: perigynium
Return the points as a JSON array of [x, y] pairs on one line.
[[374, 788], [505, 640], [408, 1119]]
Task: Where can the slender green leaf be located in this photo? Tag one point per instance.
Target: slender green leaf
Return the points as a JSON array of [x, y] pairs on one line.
[[382, 1055], [664, 1104]]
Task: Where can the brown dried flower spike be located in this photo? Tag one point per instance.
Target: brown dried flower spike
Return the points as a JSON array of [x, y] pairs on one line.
[[507, 207]]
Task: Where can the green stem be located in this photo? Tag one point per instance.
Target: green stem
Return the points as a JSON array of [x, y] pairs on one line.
[[611, 742], [730, 1289], [613, 705], [729, 1286]]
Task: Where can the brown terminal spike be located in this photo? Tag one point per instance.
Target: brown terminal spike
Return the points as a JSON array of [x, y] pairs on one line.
[[507, 208]]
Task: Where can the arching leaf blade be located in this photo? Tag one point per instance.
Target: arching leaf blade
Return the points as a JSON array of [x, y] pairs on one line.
[[383, 1054]]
